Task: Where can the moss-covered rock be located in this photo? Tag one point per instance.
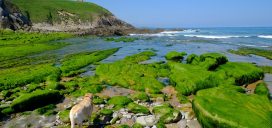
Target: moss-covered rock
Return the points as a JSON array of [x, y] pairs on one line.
[[46, 110], [120, 101], [182, 99], [136, 108], [129, 73], [261, 89], [188, 79], [175, 56], [167, 113], [136, 125], [123, 126], [211, 61], [36, 99], [64, 116], [106, 112], [98, 100], [142, 96], [193, 59], [240, 73], [160, 125], [226, 107]]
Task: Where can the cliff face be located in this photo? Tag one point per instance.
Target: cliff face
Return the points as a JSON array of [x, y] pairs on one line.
[[60, 16], [11, 17]]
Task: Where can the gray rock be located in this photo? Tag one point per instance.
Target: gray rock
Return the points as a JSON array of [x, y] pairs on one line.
[[182, 124], [11, 17], [193, 124], [147, 120]]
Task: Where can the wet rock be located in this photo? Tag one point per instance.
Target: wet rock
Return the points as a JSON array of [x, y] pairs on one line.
[[193, 124], [147, 120], [182, 123]]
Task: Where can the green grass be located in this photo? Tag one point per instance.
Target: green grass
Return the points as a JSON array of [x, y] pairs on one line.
[[40, 11], [36, 99], [245, 51], [20, 76], [175, 56], [129, 74], [71, 64], [224, 107]]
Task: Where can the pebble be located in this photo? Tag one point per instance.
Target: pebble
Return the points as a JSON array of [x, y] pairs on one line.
[[102, 105]]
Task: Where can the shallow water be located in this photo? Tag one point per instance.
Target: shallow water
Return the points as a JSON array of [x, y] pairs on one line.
[[163, 44], [268, 81]]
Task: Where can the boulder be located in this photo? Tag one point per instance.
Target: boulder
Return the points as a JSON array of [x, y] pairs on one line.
[[149, 120]]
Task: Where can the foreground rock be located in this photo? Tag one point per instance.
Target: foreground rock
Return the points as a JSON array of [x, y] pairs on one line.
[[147, 120]]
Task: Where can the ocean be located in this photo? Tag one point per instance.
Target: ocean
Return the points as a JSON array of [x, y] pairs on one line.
[[196, 40]]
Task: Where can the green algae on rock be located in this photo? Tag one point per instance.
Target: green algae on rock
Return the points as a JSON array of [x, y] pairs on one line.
[[262, 90], [72, 63], [142, 96], [166, 113], [175, 56], [36, 99], [136, 108], [119, 101], [129, 73], [226, 107]]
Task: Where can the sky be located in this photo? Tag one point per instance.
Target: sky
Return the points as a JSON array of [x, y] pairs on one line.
[[191, 13]]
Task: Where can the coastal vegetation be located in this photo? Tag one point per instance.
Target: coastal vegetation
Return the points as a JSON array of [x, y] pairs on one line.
[[213, 85], [246, 51], [54, 10]]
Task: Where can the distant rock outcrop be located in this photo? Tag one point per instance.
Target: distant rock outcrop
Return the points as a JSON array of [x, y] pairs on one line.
[[11, 17], [15, 15]]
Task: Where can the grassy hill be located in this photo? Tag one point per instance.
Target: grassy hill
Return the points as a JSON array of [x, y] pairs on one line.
[[54, 10]]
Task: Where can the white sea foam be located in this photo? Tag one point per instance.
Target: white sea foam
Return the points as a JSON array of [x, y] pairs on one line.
[[171, 32], [215, 36], [265, 36], [160, 34]]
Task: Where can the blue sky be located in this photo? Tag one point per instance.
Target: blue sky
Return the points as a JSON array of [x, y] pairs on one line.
[[191, 13]]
